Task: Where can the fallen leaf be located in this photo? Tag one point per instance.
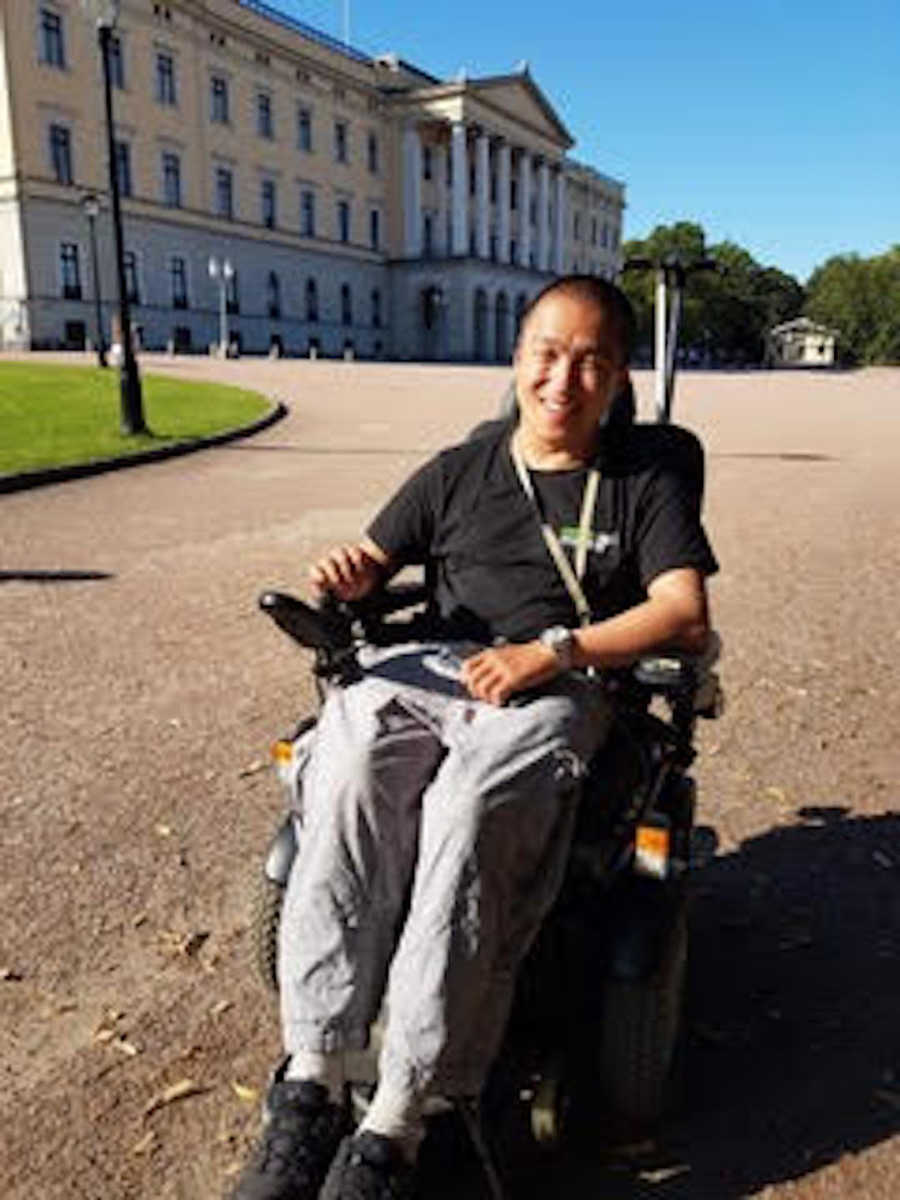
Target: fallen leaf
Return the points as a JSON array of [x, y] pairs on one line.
[[176, 1091], [103, 1035], [139, 920], [775, 793], [249, 1095], [127, 1047], [221, 1007], [145, 1143], [253, 768], [164, 830]]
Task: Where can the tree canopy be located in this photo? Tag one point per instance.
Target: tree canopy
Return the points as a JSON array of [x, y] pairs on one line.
[[727, 312], [860, 299]]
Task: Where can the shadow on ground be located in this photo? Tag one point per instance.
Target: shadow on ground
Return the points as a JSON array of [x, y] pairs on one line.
[[52, 576], [793, 1057]]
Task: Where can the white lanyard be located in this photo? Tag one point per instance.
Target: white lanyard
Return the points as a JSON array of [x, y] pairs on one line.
[[571, 579]]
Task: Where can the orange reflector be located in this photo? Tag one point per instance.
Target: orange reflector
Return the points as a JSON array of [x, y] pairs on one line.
[[282, 753], [651, 850]]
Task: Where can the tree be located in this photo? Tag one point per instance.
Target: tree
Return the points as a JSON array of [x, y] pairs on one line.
[[860, 299], [726, 313]]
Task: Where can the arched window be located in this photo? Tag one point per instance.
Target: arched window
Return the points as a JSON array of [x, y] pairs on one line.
[[376, 308], [312, 300], [273, 294], [521, 305], [480, 326], [501, 333], [346, 305]]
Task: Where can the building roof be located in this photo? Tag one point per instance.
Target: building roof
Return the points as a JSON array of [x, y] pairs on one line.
[[804, 325]]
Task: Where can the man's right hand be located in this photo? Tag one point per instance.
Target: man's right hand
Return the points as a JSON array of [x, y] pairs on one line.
[[349, 572]]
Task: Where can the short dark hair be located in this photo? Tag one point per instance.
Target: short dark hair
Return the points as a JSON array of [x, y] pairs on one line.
[[610, 300]]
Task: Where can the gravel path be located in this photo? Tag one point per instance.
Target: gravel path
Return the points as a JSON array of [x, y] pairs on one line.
[[141, 690]]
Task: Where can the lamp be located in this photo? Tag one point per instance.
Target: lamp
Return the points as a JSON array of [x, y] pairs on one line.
[[90, 206], [105, 14], [222, 272]]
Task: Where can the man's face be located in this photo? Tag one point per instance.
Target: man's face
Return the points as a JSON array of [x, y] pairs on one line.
[[568, 367]]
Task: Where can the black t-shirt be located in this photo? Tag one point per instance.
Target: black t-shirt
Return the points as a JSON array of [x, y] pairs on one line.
[[465, 513]]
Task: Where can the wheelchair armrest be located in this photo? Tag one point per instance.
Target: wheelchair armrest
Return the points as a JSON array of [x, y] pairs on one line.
[[675, 672], [393, 598]]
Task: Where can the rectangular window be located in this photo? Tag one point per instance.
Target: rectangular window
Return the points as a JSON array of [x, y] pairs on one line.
[[224, 193], [427, 162], [304, 129], [264, 125], [178, 280], [576, 225], [61, 153], [343, 220], [340, 141], [53, 51], [374, 228], [171, 165], [593, 231], [165, 79], [123, 167], [116, 62], [372, 153], [218, 100], [70, 271], [129, 260], [513, 193], [308, 213], [428, 236], [267, 203]]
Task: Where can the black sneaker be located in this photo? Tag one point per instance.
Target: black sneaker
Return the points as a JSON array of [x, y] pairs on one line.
[[369, 1167], [302, 1130]]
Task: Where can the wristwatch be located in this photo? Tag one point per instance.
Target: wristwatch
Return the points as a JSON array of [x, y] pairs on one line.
[[562, 642]]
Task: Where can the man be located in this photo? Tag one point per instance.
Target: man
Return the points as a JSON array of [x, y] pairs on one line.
[[439, 799]]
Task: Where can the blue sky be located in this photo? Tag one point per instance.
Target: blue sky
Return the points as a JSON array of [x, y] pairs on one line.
[[775, 124]]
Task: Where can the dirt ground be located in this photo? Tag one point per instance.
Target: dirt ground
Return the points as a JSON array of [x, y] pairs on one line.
[[141, 689]]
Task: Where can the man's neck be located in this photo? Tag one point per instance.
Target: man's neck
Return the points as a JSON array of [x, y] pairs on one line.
[[541, 457]]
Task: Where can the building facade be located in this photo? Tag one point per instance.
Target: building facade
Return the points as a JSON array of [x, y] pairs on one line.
[[363, 206], [801, 343]]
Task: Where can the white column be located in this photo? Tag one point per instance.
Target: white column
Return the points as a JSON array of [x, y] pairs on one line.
[[412, 192], [543, 216], [524, 208], [439, 168], [459, 207], [503, 230], [482, 195], [559, 242]]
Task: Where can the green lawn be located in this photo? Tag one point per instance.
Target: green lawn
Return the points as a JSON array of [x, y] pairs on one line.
[[52, 415]]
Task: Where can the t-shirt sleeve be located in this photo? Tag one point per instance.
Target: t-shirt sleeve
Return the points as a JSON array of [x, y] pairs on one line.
[[669, 534], [404, 528]]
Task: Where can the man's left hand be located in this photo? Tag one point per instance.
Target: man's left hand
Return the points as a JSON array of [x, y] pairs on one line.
[[496, 674]]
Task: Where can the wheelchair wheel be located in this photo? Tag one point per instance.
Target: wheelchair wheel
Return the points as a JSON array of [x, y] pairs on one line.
[[265, 919], [641, 1027]]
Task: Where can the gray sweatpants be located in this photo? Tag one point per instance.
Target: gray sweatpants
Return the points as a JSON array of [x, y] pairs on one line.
[[435, 832]]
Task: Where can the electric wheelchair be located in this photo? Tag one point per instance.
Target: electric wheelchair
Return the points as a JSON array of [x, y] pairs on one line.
[[598, 1007]]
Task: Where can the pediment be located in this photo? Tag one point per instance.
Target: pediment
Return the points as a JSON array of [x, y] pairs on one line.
[[521, 98]]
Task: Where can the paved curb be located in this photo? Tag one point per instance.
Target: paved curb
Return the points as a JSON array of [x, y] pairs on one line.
[[98, 466]]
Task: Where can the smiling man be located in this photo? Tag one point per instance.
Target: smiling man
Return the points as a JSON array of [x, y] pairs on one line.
[[441, 791]]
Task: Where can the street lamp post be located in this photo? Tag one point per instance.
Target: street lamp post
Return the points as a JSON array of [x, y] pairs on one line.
[[222, 272], [91, 208], [106, 14]]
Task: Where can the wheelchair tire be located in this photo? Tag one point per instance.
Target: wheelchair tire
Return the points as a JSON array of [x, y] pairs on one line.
[[641, 1031], [268, 898]]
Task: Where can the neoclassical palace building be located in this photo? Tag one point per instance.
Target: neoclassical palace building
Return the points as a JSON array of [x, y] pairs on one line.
[[363, 206]]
